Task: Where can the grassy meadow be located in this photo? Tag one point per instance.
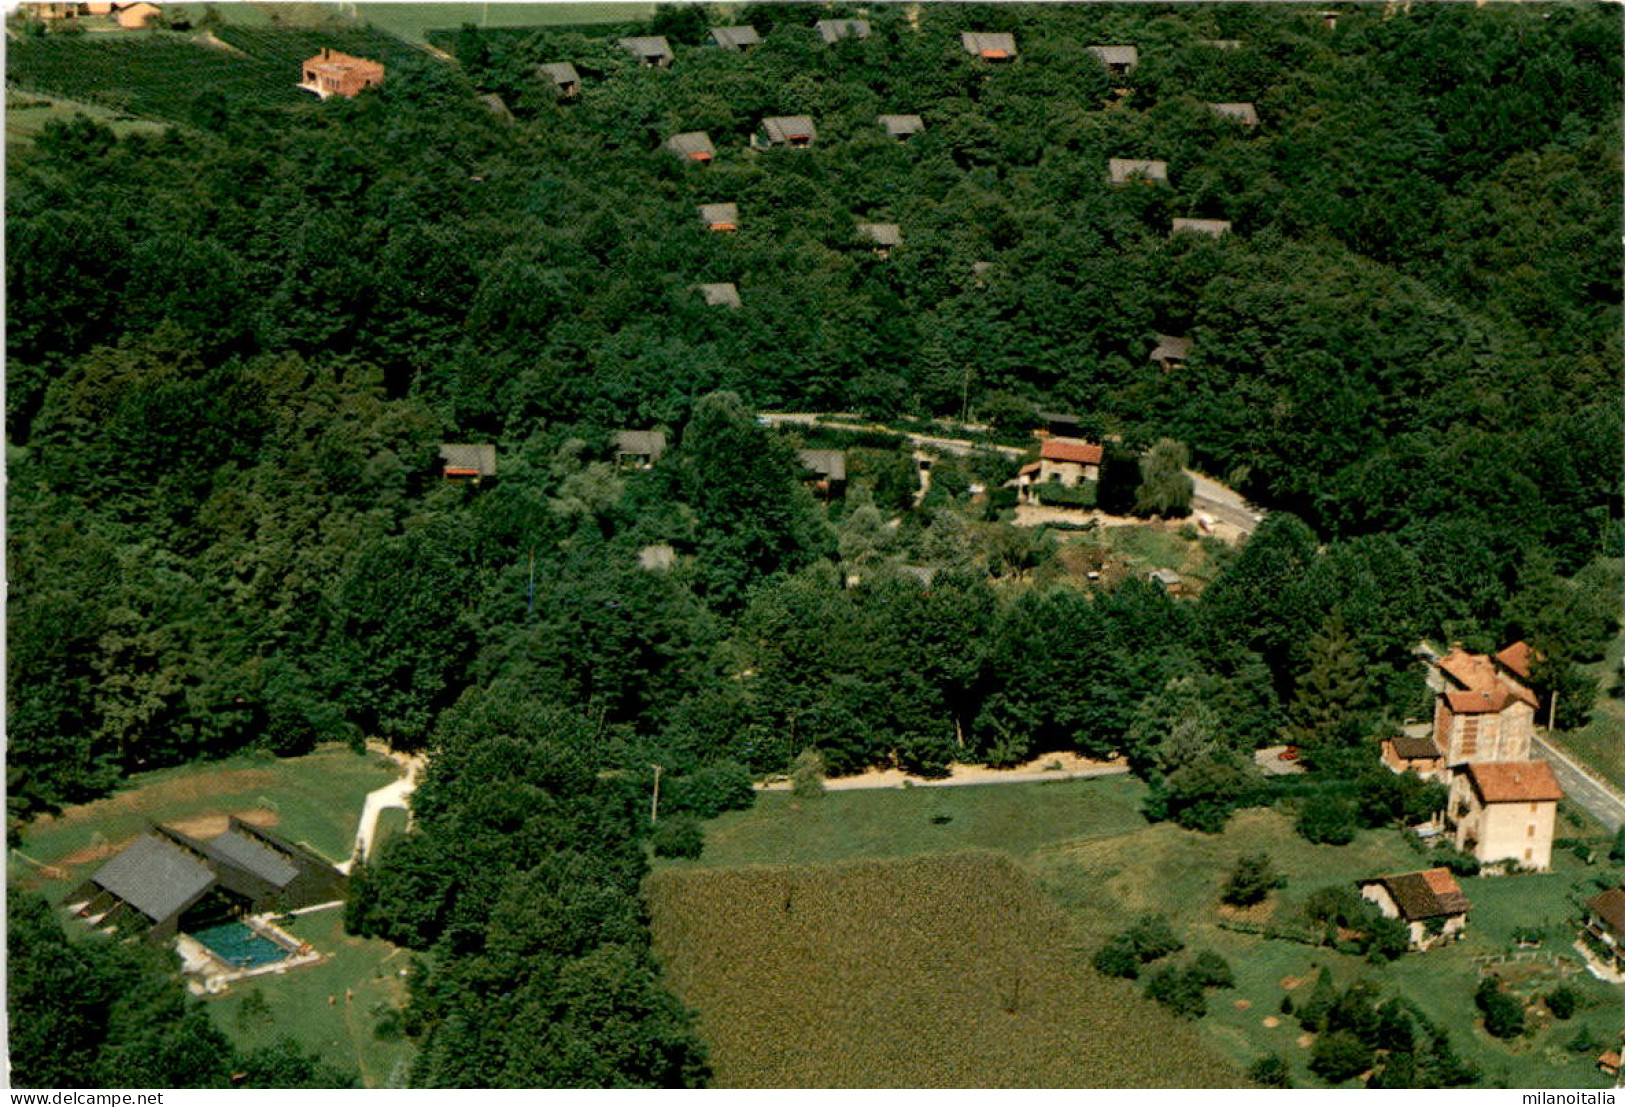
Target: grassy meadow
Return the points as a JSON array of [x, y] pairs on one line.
[[415, 21], [930, 971], [1600, 744]]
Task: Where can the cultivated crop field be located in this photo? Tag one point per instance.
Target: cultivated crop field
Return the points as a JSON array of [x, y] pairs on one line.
[[934, 971], [415, 21]]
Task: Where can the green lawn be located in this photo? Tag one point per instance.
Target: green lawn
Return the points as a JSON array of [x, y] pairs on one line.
[[840, 826], [1600, 744], [415, 21], [26, 116], [315, 800], [311, 1004]]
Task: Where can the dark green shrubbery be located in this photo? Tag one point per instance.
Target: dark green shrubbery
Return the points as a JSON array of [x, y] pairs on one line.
[[678, 836], [1149, 939]]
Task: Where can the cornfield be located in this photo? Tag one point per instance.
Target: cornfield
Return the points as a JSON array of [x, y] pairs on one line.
[[932, 971]]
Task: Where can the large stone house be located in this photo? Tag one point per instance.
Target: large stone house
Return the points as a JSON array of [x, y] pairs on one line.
[[1068, 461], [1430, 904], [1505, 811], [1482, 711], [331, 73]]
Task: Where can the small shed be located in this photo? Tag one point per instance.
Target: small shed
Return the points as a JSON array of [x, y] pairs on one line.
[[1171, 351], [824, 469], [636, 449], [720, 295], [468, 461], [1410, 753], [989, 46], [737, 39], [720, 217], [788, 130], [1170, 581], [901, 127], [1242, 112], [692, 146], [885, 237], [1122, 171], [834, 30], [651, 50], [658, 558], [564, 78], [1118, 60], [1213, 228]]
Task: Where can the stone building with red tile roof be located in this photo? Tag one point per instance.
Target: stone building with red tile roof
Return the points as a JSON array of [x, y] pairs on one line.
[[1505, 811], [1430, 904], [1482, 711], [1068, 461], [331, 73]]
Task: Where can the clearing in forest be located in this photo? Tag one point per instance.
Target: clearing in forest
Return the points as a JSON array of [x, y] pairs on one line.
[[930, 971]]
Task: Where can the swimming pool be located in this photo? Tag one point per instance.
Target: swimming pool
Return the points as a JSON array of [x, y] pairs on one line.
[[239, 945]]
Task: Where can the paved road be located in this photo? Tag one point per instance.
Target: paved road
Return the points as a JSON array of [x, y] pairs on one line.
[[1584, 787], [390, 795], [1224, 504]]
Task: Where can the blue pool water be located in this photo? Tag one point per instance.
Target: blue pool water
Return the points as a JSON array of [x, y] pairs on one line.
[[237, 944]]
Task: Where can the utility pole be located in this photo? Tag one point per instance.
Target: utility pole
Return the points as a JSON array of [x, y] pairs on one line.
[[654, 804]]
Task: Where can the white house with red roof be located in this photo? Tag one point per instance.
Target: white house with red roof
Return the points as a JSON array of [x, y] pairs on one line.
[[1068, 461], [1506, 811]]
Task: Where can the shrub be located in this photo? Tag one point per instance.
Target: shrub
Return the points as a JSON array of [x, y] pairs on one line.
[[1179, 990], [1055, 494], [708, 792], [1562, 1002], [1616, 852], [1330, 822], [807, 774], [1250, 881], [678, 836], [1503, 1014], [1339, 1056], [1212, 971], [1118, 958], [1270, 1071], [1149, 939]]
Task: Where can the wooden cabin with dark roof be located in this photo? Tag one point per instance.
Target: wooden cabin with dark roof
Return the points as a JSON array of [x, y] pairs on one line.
[[793, 131], [739, 39], [652, 50], [902, 127], [563, 77], [1605, 926]]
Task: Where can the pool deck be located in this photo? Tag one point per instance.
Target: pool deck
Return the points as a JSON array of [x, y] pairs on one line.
[[211, 975]]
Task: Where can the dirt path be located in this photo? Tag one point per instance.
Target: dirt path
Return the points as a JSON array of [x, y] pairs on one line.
[[1051, 766], [394, 794]]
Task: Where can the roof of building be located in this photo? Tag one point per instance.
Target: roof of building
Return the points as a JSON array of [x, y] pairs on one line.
[[882, 234], [1214, 227], [719, 215], [735, 38], [1116, 55], [833, 30], [1222, 43], [649, 443], [901, 126], [657, 557], [1415, 749], [336, 61], [243, 849], [156, 876], [1610, 908], [828, 464], [985, 44], [1029, 470], [1123, 170], [694, 145], [481, 457], [647, 46], [1165, 577], [1424, 895], [1171, 348], [498, 106], [925, 574], [789, 128], [560, 73], [725, 294], [1243, 112], [1518, 657], [1514, 781], [1071, 449], [1475, 673]]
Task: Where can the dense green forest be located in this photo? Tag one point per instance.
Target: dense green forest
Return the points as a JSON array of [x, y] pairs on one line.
[[234, 348]]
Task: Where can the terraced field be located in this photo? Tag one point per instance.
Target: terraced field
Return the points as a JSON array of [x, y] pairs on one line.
[[930, 971]]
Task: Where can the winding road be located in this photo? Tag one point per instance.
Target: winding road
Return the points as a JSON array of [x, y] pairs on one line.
[[1584, 787]]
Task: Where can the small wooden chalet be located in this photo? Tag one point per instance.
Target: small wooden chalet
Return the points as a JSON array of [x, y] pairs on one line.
[[989, 46], [1123, 171], [564, 78], [165, 881], [720, 217], [636, 449], [1171, 351], [1242, 113], [824, 470], [331, 73], [1430, 904], [885, 237], [652, 50], [834, 30], [692, 146], [1170, 581], [902, 127], [795, 131], [720, 295], [1605, 925], [738, 39], [1213, 228], [471, 462], [1118, 60]]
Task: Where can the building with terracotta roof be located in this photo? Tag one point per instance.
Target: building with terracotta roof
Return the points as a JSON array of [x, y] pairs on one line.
[[1122, 171], [989, 46], [1406, 753], [1068, 460], [720, 217], [331, 73], [692, 146], [785, 130], [1505, 811], [1605, 926], [1430, 904], [1482, 711]]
